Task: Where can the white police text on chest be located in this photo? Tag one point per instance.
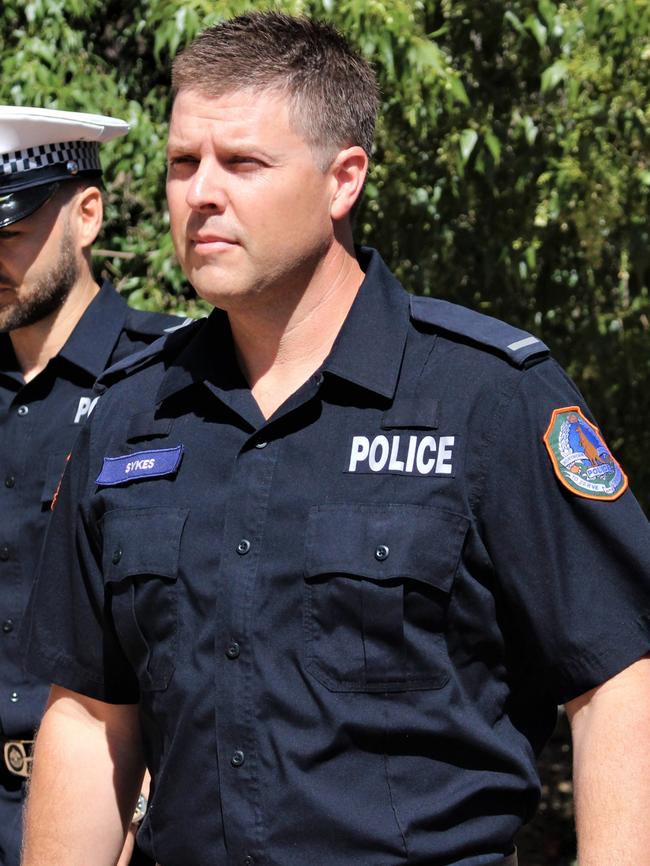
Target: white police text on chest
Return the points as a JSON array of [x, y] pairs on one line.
[[411, 455]]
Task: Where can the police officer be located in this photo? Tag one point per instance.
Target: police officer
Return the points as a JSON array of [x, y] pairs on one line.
[[58, 330], [339, 553]]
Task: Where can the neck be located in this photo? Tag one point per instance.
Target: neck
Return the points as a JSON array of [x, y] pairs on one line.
[[36, 344], [280, 346]]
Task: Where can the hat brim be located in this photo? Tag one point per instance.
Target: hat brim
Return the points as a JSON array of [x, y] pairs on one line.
[[15, 206]]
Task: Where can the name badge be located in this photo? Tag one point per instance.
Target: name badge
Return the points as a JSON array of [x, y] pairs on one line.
[[142, 464]]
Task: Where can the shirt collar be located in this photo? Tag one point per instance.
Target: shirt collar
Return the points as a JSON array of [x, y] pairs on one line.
[[368, 350], [209, 357], [91, 344]]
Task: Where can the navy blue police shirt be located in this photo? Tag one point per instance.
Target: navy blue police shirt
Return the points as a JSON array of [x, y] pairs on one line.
[[39, 421], [347, 626]]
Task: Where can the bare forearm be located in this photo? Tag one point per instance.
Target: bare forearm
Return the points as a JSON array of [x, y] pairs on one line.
[[611, 736], [86, 778]]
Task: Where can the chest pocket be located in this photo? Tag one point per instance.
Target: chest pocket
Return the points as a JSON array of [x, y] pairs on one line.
[[140, 566], [377, 583]]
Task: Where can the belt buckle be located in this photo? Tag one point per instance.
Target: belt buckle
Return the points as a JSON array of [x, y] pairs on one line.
[[16, 757]]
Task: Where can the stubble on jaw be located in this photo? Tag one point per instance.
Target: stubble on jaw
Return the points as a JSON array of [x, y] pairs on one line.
[[48, 294]]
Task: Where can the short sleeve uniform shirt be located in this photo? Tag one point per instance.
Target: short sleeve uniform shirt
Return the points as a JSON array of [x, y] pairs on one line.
[[347, 626]]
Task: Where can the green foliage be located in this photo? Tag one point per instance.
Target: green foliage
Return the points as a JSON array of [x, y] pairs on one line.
[[511, 171]]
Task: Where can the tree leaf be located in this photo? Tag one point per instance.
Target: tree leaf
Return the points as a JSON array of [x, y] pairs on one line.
[[493, 145], [553, 75], [530, 129], [458, 90], [467, 143], [512, 19], [539, 31]]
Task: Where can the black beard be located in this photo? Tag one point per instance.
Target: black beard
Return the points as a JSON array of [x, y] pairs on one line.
[[47, 295]]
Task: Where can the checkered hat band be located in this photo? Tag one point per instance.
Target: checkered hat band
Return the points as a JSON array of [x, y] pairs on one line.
[[84, 153]]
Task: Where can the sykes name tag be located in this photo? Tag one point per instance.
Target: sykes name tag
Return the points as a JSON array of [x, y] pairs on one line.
[[142, 464]]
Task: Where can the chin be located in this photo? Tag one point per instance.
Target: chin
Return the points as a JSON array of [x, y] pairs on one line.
[[216, 292]]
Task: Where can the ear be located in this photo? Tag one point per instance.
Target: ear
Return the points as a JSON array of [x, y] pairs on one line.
[[89, 212], [349, 171]]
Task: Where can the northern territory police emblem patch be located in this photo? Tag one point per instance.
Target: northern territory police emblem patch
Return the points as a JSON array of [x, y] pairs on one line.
[[580, 458]]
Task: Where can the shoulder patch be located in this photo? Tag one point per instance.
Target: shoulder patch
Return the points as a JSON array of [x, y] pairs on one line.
[[519, 347], [580, 458]]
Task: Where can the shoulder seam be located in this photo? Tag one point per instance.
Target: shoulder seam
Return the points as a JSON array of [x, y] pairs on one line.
[[475, 498]]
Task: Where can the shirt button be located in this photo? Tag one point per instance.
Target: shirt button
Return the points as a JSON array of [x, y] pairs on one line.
[[14, 698], [233, 650], [260, 445], [248, 860], [318, 379], [237, 758], [4, 552], [117, 555], [243, 547], [382, 552], [7, 626], [23, 410], [10, 481]]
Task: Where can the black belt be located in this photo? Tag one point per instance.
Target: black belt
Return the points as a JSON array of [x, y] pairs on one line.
[[17, 756]]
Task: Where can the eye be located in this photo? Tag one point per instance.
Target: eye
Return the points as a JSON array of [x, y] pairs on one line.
[[181, 159], [244, 161]]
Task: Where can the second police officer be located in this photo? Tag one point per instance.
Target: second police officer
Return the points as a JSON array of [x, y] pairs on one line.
[[59, 329]]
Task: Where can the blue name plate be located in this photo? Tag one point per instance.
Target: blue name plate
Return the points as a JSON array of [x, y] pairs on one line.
[[142, 464]]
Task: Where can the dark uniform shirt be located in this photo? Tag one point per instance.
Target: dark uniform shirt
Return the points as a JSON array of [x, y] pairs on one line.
[[39, 421], [347, 626]]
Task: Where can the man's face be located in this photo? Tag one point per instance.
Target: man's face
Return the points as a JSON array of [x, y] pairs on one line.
[[249, 206], [38, 266]]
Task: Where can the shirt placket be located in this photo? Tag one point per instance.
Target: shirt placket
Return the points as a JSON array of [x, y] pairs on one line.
[[18, 427], [247, 555], [242, 551]]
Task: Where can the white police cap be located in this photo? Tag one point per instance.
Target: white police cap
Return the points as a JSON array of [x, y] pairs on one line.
[[40, 148]]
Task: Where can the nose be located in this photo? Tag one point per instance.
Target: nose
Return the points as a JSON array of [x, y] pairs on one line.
[[205, 192]]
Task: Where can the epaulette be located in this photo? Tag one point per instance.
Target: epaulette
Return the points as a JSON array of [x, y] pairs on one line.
[[152, 324], [519, 347], [170, 342]]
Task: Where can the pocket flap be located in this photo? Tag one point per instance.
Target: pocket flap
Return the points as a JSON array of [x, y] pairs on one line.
[[385, 542], [142, 541]]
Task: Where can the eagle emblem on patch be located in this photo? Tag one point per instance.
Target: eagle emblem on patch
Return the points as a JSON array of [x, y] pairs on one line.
[[580, 458]]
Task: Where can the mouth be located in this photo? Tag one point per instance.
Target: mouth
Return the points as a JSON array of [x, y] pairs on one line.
[[204, 244]]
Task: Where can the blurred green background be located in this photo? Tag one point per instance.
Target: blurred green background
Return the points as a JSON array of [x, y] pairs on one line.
[[511, 174]]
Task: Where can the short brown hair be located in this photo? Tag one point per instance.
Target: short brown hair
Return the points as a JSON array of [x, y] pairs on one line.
[[332, 90]]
